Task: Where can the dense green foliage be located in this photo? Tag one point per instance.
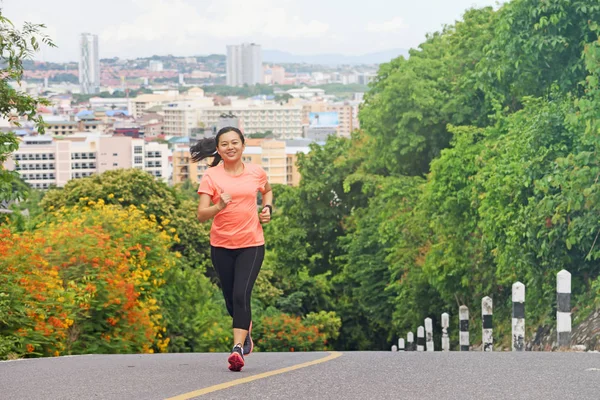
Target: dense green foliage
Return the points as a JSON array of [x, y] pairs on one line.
[[475, 167]]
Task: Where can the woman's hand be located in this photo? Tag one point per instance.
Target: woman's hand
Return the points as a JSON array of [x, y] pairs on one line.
[[224, 200], [265, 215]]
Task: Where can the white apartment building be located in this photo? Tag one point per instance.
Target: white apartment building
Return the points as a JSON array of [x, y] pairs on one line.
[[139, 105], [244, 64], [43, 161], [183, 116], [63, 128], [283, 120]]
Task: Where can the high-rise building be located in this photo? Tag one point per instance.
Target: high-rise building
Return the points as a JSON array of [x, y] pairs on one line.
[[89, 64], [244, 64]]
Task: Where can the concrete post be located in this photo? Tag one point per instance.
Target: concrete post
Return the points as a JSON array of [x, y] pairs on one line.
[[518, 317], [563, 308], [429, 334], [487, 336], [463, 316], [445, 338], [420, 339]]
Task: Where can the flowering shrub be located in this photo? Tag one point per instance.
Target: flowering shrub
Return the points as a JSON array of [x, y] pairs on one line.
[[327, 322], [286, 333], [85, 281]]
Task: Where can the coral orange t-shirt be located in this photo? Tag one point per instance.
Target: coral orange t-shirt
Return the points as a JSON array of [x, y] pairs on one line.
[[236, 226]]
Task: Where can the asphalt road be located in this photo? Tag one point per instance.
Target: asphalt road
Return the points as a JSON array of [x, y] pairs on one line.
[[351, 375]]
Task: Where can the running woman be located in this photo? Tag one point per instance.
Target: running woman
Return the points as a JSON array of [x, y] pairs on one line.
[[228, 193]]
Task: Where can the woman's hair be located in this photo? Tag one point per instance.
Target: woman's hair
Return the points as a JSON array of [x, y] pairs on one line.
[[208, 147]]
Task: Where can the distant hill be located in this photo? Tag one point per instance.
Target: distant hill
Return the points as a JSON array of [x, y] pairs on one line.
[[276, 56]]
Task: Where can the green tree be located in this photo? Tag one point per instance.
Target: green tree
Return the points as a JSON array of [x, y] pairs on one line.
[[534, 45], [366, 299], [16, 46], [411, 102], [303, 236], [324, 199], [124, 187], [564, 225], [457, 262]]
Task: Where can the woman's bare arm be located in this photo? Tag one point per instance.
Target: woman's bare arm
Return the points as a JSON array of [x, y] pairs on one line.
[[205, 210]]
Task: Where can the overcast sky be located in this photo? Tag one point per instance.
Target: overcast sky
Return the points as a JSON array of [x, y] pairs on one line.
[[140, 28]]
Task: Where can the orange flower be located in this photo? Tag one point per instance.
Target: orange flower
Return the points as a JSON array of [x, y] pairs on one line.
[[30, 348], [55, 322]]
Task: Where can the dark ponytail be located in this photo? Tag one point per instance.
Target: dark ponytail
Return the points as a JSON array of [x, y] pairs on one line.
[[205, 148]]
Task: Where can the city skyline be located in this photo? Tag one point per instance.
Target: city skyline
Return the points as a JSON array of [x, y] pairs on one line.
[[135, 28]]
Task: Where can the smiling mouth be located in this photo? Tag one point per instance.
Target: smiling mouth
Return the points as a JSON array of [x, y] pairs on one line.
[[231, 154]]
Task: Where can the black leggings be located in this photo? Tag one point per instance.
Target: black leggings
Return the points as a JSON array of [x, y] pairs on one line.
[[237, 270]]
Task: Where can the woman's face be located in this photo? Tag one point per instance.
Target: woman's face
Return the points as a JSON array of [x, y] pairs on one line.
[[230, 147]]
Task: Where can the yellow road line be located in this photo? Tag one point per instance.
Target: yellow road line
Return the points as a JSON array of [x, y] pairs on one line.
[[332, 355]]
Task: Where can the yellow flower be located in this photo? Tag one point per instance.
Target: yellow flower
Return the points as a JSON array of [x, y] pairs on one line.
[[110, 196]]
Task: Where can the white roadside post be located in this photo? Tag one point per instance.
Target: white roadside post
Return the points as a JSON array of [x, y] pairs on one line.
[[401, 344], [410, 342], [429, 334], [487, 336], [563, 308], [518, 317], [445, 338], [420, 339], [463, 316]]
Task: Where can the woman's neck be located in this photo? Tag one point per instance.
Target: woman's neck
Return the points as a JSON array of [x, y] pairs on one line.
[[235, 168]]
